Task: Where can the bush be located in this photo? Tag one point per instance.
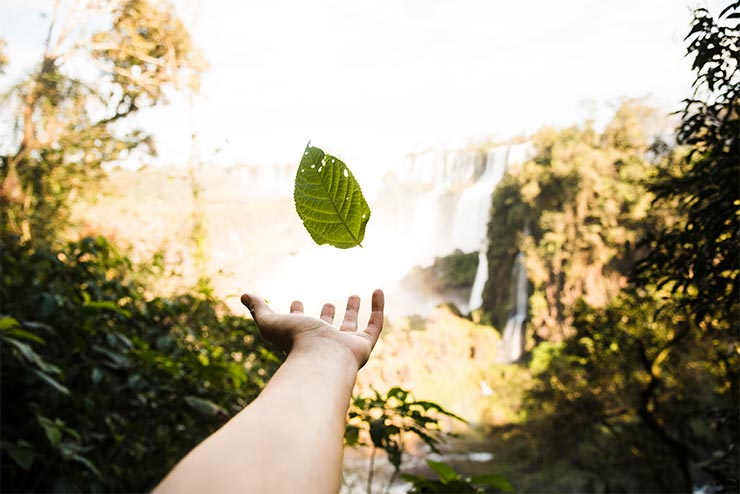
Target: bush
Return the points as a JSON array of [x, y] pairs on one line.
[[102, 388]]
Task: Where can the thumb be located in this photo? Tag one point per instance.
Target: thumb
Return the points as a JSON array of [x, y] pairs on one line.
[[256, 305]]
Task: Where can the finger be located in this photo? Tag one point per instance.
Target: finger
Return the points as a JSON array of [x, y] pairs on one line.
[[296, 307], [327, 313], [350, 315], [257, 306], [375, 323]]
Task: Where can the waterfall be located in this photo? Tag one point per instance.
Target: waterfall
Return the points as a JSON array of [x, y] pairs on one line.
[[499, 160], [474, 205], [512, 344]]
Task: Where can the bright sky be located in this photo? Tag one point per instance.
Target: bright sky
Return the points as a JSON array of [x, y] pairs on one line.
[[370, 81]]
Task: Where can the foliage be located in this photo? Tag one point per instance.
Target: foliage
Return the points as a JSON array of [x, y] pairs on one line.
[[641, 394], [453, 271], [576, 210], [696, 258], [632, 391], [99, 382], [69, 113], [384, 421], [329, 200], [451, 481]]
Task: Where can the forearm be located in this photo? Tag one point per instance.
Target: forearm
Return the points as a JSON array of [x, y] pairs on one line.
[[288, 439]]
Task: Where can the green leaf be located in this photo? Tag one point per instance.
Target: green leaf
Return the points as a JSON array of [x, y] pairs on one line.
[[329, 201], [206, 407], [351, 435], [51, 382], [52, 429], [103, 305], [494, 480], [21, 453], [32, 357], [7, 322], [446, 473], [22, 333], [116, 360]]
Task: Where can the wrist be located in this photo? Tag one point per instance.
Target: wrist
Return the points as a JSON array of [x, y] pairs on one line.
[[325, 354]]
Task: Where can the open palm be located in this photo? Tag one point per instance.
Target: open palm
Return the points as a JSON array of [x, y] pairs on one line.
[[290, 331]]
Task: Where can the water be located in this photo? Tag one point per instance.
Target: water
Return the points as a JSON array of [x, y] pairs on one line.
[[513, 339], [429, 205]]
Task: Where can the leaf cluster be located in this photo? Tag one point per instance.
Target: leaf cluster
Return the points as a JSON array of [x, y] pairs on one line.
[[386, 419], [697, 255], [98, 381], [450, 481]]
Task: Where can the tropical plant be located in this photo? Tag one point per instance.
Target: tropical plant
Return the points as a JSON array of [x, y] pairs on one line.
[[99, 381], [450, 481], [384, 422]]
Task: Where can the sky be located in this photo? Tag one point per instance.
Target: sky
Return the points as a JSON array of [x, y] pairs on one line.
[[371, 81]]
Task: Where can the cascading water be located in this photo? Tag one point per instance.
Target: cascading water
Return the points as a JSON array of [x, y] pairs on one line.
[[431, 204], [512, 345], [499, 159]]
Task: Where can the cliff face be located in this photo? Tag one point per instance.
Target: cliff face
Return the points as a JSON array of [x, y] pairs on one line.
[[576, 211]]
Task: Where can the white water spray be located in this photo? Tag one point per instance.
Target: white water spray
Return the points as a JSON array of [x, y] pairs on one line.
[[512, 345]]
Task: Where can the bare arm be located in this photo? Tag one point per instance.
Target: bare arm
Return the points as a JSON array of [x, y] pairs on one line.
[[289, 439]]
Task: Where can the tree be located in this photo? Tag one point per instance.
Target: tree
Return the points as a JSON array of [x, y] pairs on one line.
[[696, 257], [70, 112], [104, 389], [576, 210], [644, 394]]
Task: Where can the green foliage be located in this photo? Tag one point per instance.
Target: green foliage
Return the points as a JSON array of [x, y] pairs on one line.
[[384, 421], [642, 394], [67, 121], [696, 257], [632, 391], [450, 272], [576, 210], [452, 482], [329, 201], [98, 382]]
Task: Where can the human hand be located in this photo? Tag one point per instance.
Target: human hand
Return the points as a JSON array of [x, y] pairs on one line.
[[297, 331]]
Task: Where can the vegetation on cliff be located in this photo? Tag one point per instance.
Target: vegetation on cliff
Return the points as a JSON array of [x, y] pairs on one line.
[[631, 251]]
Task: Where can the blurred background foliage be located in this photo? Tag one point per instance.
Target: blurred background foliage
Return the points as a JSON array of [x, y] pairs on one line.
[[632, 249], [630, 379]]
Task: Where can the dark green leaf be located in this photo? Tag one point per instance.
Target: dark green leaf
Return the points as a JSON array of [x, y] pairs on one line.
[[446, 473], [52, 430], [32, 357], [351, 435], [494, 480], [21, 453], [204, 406], [51, 381]]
